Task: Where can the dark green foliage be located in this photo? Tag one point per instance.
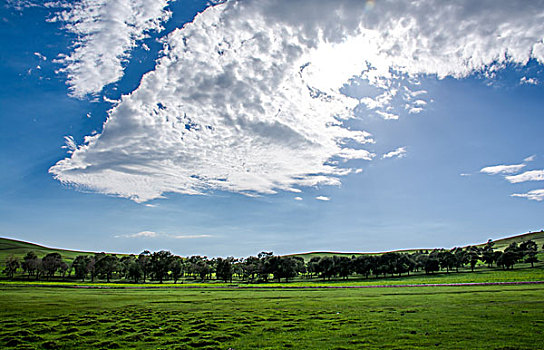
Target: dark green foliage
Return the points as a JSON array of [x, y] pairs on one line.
[[223, 269], [12, 264], [51, 263], [160, 264], [80, 265]]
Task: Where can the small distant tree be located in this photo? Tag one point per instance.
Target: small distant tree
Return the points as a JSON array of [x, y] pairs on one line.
[[529, 249], [432, 264], [30, 263], [106, 265], [51, 263], [144, 259], [223, 269], [80, 265], [488, 254], [472, 254], [12, 264], [160, 264], [134, 270], [176, 266]]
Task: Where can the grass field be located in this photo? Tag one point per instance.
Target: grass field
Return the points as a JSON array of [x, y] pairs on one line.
[[483, 317]]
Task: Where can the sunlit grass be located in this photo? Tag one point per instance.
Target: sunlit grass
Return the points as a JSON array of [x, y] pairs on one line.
[[483, 317]]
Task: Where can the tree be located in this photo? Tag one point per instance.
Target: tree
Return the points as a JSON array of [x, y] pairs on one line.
[[326, 267], [473, 255], [106, 265], [81, 266], [223, 269], [145, 262], [30, 263], [362, 265], [160, 264], [488, 255], [51, 263], [447, 260], [134, 270], [529, 249], [12, 264], [176, 267]]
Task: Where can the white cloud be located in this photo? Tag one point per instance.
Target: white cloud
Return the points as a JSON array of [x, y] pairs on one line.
[[530, 158], [188, 236], [502, 169], [531, 175], [298, 198], [152, 234], [530, 81], [40, 56], [106, 31], [535, 195], [465, 174], [247, 97], [142, 234], [322, 198], [398, 153]]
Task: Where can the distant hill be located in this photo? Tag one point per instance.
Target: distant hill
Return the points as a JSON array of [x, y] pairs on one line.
[[20, 248], [500, 244]]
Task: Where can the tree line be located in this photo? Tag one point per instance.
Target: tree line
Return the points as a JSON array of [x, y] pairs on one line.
[[163, 265]]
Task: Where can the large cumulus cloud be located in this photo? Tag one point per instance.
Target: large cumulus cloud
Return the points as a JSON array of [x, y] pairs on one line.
[[247, 99]]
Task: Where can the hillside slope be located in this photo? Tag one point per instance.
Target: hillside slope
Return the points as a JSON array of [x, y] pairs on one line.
[[500, 244], [20, 248]]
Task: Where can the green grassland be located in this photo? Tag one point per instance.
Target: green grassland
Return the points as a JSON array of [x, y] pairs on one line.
[[19, 249], [475, 317]]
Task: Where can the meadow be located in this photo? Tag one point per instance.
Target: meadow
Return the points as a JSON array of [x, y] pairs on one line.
[[475, 317]]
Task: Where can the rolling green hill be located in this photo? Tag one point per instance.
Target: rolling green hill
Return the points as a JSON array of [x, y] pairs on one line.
[[500, 244], [20, 248]]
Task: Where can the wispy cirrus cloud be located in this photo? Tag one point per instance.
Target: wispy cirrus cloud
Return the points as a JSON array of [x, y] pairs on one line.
[[502, 169], [531, 175], [152, 234], [535, 195], [398, 153], [247, 98]]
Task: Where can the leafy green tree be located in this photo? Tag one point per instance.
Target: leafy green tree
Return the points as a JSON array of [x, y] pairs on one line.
[[30, 263], [106, 265], [472, 254], [12, 264], [432, 263], [312, 266], [144, 259], [488, 254], [224, 269], [134, 270], [176, 267], [342, 266], [529, 249], [405, 263], [362, 265], [326, 267], [160, 264], [51, 263], [250, 267], [80, 265], [447, 260]]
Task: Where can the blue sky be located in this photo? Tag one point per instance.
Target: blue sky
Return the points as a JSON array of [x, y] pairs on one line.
[[278, 126]]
